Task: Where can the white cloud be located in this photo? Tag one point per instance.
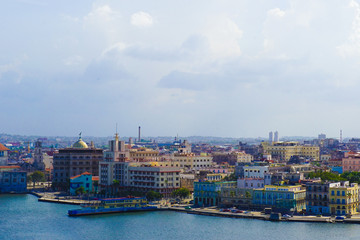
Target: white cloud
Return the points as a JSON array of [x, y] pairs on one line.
[[276, 12], [142, 19]]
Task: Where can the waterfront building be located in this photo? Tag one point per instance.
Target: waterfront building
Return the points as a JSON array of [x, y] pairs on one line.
[[208, 193], [192, 161], [317, 197], [72, 161], [12, 179], [3, 155], [283, 151], [83, 180], [187, 181], [135, 174], [280, 198], [344, 198], [236, 197]]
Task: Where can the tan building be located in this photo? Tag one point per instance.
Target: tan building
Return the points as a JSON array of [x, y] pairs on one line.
[[192, 161], [283, 151], [144, 155], [243, 157]]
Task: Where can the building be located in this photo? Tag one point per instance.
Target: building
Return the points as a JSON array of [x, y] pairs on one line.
[[283, 151], [144, 155], [271, 137], [72, 161], [236, 197], [243, 157], [38, 157], [344, 198], [83, 180], [317, 197], [12, 179], [255, 171], [3, 155], [276, 136], [208, 193], [280, 198], [191, 161], [250, 183], [351, 163], [135, 173]]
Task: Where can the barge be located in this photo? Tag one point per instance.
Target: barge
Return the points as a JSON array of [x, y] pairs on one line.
[[114, 205]]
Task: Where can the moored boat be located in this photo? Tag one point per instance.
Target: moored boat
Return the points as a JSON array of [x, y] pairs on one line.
[[113, 205]]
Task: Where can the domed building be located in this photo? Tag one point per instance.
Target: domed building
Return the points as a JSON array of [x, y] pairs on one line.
[[73, 161]]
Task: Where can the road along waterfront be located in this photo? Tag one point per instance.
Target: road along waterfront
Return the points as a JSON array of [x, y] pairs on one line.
[[23, 217]]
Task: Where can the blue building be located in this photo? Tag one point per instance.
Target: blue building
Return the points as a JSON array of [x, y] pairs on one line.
[[82, 180], [12, 180], [208, 193]]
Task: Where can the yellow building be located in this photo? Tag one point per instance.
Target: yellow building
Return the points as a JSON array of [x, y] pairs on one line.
[[283, 151], [192, 161], [344, 198]]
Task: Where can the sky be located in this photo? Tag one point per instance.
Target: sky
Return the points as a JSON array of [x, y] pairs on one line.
[[230, 68]]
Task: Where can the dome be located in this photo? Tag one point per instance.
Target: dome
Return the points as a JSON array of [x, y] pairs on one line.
[[80, 144]]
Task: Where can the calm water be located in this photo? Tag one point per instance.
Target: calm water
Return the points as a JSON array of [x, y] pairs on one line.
[[23, 217]]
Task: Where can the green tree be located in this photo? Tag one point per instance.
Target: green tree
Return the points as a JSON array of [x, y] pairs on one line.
[[353, 177], [327, 176], [152, 196], [37, 176], [80, 190], [231, 177], [181, 192]]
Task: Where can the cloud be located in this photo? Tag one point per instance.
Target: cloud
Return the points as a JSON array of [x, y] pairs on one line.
[[73, 60], [276, 12], [141, 19]]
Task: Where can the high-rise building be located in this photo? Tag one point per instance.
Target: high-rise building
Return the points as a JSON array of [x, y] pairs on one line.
[[276, 136], [271, 137]]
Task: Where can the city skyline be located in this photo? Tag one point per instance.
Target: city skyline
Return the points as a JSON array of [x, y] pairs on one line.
[[233, 69]]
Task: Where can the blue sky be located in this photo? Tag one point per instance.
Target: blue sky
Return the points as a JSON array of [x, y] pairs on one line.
[[212, 68]]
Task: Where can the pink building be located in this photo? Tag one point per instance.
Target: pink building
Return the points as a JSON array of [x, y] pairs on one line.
[[351, 163]]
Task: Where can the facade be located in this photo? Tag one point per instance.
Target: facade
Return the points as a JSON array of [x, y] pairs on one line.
[[38, 157], [283, 151], [136, 174], [236, 197], [12, 179], [351, 163], [3, 155], [146, 178], [73, 161], [144, 155], [254, 171], [282, 198], [243, 157], [83, 180], [344, 198], [208, 193], [250, 183], [192, 161], [317, 197]]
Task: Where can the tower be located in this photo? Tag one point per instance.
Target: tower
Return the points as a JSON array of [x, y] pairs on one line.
[[139, 136], [276, 137], [341, 136], [38, 156], [271, 137]]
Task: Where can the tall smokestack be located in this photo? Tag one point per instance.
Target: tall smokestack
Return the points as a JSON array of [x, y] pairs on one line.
[[139, 138]]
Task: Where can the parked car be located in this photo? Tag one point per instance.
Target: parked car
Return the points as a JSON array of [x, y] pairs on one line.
[[225, 210], [187, 207], [286, 216], [339, 218], [191, 202], [239, 211]]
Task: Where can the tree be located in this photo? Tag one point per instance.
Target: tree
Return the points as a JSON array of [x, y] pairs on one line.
[[231, 177], [80, 190], [181, 192], [37, 176], [327, 176], [152, 196]]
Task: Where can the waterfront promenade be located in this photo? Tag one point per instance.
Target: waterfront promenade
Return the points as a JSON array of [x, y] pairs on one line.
[[212, 211]]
